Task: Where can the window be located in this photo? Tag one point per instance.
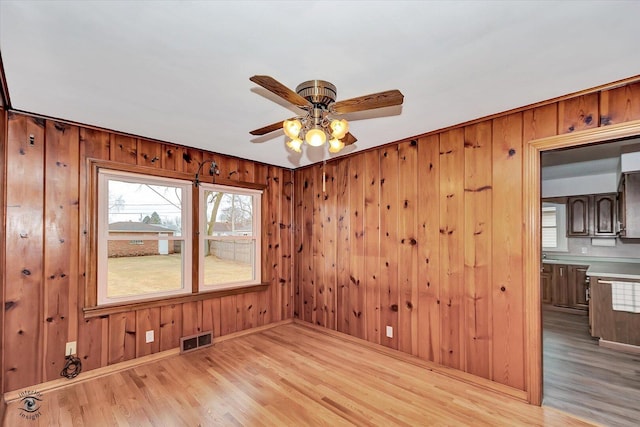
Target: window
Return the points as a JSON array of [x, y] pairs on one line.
[[229, 237], [554, 226], [144, 232]]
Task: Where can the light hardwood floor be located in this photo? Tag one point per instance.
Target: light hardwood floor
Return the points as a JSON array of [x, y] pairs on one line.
[[582, 378], [289, 375]]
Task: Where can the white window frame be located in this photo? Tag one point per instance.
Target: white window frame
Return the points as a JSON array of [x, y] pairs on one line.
[[256, 235], [562, 243], [103, 238]]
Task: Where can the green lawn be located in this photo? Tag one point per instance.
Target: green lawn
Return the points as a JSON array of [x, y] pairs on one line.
[[159, 273]]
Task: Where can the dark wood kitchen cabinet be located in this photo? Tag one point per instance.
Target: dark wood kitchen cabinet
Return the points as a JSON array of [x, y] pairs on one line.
[[565, 286], [560, 285], [578, 216], [604, 206], [629, 205], [592, 215], [578, 286], [545, 284]]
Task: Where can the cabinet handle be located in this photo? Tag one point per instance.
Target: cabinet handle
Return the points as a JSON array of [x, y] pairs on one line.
[[561, 270]]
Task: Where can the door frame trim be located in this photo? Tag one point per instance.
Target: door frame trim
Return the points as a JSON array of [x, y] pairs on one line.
[[531, 250]]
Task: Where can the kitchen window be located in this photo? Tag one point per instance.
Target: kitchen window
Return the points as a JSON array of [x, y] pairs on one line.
[[554, 227]]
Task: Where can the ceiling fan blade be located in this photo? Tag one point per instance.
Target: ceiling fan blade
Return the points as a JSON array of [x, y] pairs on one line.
[[369, 102], [274, 86], [349, 139], [267, 129]]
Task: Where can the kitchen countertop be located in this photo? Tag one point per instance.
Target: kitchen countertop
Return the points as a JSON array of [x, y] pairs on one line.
[[603, 267]]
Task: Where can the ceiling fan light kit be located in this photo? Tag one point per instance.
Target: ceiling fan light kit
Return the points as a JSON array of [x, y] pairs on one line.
[[318, 99]]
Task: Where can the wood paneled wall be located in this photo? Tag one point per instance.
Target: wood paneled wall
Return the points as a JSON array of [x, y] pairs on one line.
[[426, 236], [47, 227]]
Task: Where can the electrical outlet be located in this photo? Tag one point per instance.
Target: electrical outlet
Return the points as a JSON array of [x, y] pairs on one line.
[[70, 349], [584, 250], [149, 336], [389, 331]]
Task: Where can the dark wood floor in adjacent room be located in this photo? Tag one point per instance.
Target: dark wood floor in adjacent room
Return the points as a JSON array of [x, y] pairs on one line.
[[290, 375], [585, 379]]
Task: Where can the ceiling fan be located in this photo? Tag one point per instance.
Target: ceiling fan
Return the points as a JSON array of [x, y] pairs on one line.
[[318, 99]]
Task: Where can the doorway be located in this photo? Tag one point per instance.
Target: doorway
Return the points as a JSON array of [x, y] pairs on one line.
[[532, 253]]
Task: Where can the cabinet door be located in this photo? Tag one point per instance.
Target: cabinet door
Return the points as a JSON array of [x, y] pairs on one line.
[[545, 284], [578, 216], [578, 286], [559, 285], [632, 204], [605, 214], [546, 288]]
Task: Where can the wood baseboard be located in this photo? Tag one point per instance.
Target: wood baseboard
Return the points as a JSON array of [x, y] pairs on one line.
[[431, 366], [626, 348], [12, 396]]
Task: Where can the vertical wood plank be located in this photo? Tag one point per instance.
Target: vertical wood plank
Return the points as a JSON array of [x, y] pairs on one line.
[[357, 315], [319, 315], [307, 277], [452, 247], [506, 256], [330, 233], [147, 319], [372, 244], [247, 310], [90, 342], [170, 159], [578, 113], [265, 308], [285, 231], [24, 246], [191, 318], [389, 212], [274, 250], [170, 326], [408, 247], [191, 159], [60, 244], [619, 105], [228, 315], [124, 149], [540, 122], [343, 248], [149, 153], [298, 245], [477, 248], [3, 159], [211, 316], [246, 170], [122, 337], [228, 167], [428, 248]]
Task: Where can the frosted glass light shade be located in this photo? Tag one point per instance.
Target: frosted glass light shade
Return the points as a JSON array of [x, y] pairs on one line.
[[339, 128], [335, 145], [292, 128], [295, 144], [315, 137]]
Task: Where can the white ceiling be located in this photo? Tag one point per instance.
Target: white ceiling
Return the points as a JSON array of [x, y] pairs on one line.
[[179, 71]]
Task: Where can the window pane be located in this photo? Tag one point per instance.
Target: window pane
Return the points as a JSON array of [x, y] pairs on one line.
[[227, 261], [139, 207], [149, 267], [548, 217], [228, 214], [549, 237]]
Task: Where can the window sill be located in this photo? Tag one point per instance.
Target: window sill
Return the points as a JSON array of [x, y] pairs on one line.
[[105, 310]]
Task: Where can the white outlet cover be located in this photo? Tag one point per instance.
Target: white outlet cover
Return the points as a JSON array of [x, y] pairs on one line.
[[389, 331], [149, 336], [70, 348]]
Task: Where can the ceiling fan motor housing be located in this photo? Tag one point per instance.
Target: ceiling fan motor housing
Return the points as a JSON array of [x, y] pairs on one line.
[[318, 92]]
